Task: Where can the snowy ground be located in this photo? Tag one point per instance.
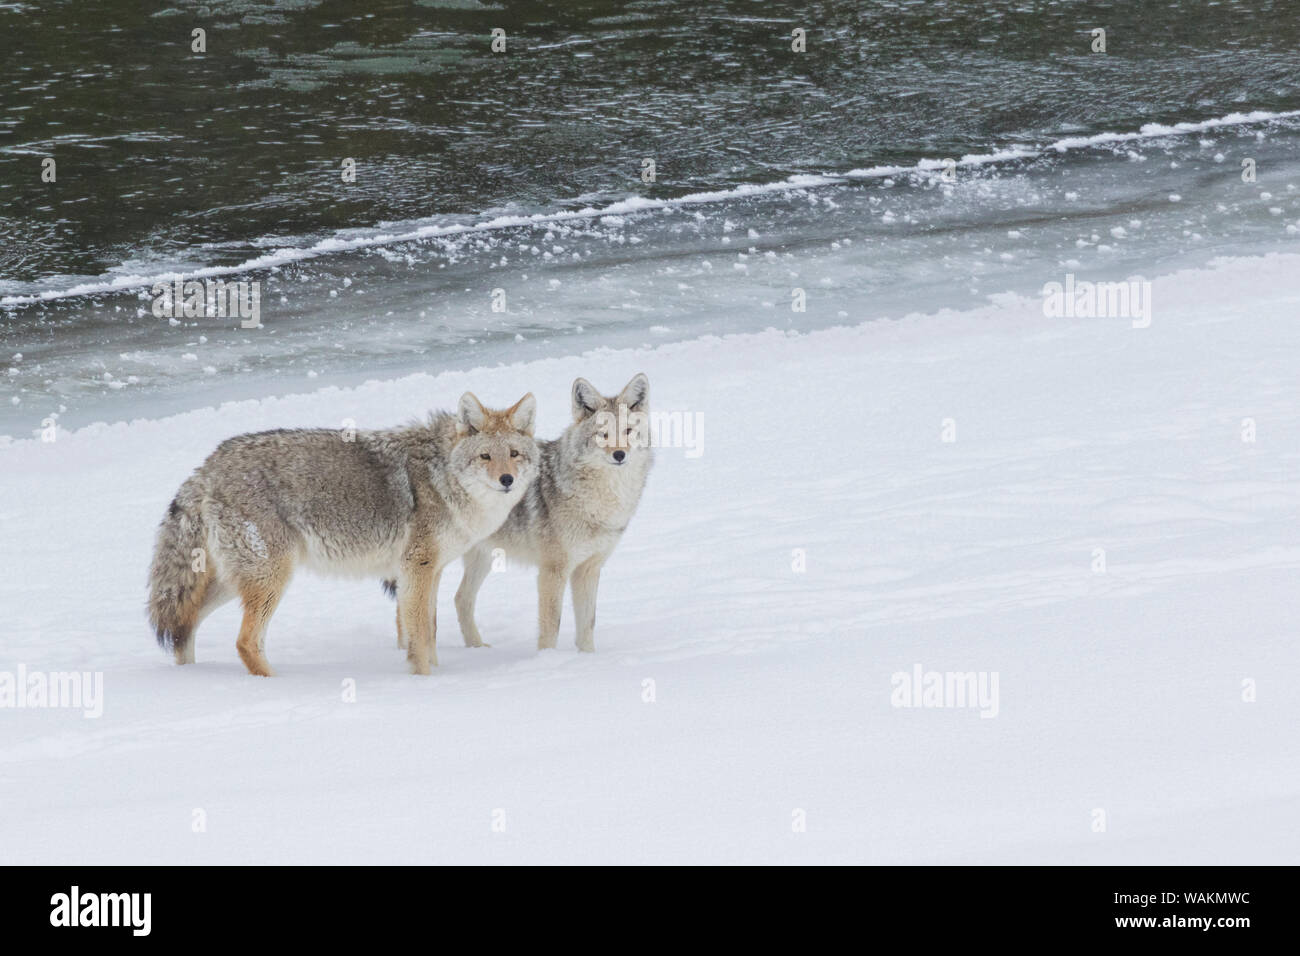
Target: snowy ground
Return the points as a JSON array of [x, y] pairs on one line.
[[1118, 690]]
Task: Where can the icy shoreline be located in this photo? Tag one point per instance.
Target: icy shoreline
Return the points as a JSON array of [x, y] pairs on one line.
[[1121, 685], [880, 245]]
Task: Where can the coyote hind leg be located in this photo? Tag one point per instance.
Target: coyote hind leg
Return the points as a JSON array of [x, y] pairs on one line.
[[215, 595]]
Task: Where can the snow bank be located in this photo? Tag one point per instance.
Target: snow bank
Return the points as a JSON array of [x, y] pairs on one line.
[[1098, 538]]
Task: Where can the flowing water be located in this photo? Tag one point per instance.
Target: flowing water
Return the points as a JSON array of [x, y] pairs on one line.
[[500, 209]]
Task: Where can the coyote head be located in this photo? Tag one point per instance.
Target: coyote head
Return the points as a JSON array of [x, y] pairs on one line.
[[613, 430], [495, 450]]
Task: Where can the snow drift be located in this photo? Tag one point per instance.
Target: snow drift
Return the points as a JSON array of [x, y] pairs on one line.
[[1101, 517]]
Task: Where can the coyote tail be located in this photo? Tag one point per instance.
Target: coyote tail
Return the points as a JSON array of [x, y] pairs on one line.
[[180, 575]]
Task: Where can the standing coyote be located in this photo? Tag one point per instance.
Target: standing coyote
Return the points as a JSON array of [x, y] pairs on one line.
[[570, 520], [402, 502]]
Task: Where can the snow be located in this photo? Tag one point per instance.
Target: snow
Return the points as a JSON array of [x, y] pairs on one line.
[[1097, 534]]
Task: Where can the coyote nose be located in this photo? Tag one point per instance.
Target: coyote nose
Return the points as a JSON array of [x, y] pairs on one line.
[[507, 480], [620, 455]]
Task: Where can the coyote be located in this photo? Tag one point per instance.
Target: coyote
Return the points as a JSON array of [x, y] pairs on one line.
[[403, 503], [571, 518]]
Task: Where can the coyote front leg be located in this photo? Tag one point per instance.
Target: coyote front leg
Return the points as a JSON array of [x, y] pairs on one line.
[[260, 595], [550, 602], [417, 595], [478, 562], [586, 578]]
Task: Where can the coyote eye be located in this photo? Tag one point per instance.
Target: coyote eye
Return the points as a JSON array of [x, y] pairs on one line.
[[485, 456], [513, 453]]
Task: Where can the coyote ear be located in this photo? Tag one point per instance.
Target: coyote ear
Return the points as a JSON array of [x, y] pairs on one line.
[[586, 400], [523, 414], [469, 414], [636, 394]]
